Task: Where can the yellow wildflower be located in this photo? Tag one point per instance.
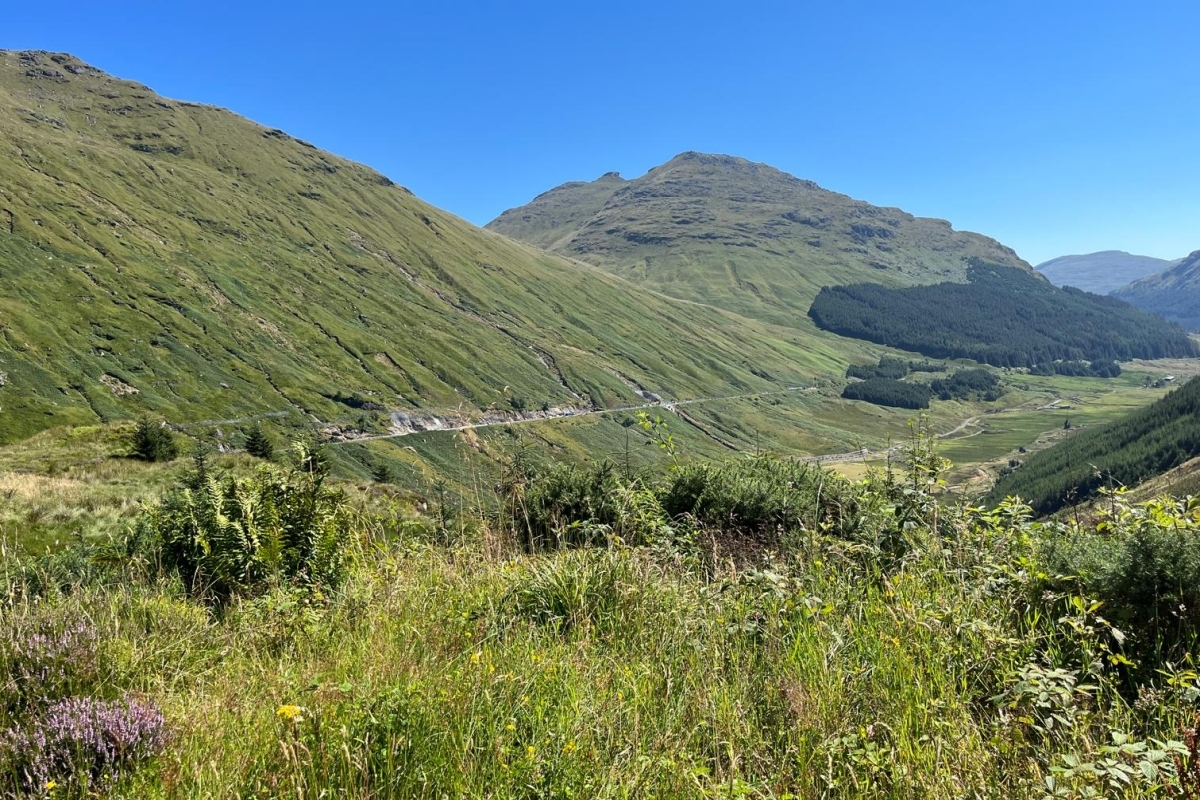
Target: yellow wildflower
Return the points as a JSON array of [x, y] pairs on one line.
[[530, 751], [569, 747], [290, 713]]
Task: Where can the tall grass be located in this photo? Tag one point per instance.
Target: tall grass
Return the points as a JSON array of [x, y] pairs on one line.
[[823, 664]]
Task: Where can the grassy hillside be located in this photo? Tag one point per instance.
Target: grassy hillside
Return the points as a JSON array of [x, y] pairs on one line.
[[742, 236], [1101, 272], [1173, 293], [168, 257]]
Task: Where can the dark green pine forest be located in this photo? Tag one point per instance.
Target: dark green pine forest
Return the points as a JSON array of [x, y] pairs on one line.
[[1002, 316], [1126, 452]]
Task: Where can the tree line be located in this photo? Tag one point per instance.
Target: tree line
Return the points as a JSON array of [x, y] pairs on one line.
[[1002, 316], [1144, 443], [881, 384]]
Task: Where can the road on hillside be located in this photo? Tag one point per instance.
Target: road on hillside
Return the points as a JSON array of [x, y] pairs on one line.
[[668, 405]]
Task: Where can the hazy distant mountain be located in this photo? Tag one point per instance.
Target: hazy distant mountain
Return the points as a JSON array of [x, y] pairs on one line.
[[1174, 293], [743, 236], [1101, 272]]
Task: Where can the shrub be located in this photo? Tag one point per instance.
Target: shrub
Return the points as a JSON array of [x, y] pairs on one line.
[[153, 442], [1143, 564], [45, 659], [757, 495], [228, 536], [570, 505]]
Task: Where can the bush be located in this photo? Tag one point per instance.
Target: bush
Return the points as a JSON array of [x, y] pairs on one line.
[[570, 505], [757, 495], [228, 536], [153, 442], [45, 658], [1143, 564]]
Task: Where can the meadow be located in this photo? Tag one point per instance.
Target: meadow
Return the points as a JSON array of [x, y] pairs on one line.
[[754, 627]]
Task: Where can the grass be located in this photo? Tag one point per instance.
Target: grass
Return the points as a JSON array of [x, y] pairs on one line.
[[811, 668]]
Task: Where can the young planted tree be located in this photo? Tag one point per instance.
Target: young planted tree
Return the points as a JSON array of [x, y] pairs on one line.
[[258, 444], [153, 441]]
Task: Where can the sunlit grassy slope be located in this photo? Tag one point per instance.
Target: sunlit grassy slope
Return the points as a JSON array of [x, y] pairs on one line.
[[743, 236], [171, 257]]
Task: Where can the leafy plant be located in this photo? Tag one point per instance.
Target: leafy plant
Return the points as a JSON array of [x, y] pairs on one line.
[[227, 536], [1143, 564]]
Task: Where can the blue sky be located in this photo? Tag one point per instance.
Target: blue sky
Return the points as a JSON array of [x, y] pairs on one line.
[[1055, 126]]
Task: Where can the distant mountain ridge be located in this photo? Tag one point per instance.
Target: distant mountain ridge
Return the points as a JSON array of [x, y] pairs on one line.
[[1101, 272], [743, 236], [1173, 293]]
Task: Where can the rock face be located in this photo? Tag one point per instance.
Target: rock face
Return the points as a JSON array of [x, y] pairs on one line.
[[1103, 272], [742, 236], [1173, 293]]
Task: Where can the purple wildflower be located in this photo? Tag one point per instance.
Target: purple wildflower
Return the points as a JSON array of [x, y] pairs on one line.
[[96, 741], [51, 658]]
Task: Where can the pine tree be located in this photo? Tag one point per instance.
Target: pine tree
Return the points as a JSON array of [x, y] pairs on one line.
[[154, 442], [258, 444]]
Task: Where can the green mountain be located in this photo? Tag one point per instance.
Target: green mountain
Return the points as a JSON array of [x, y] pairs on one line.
[[1147, 442], [174, 258], [742, 236], [1101, 272], [1173, 293]]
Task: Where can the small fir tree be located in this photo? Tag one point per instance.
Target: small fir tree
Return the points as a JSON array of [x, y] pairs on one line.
[[153, 441], [258, 444]]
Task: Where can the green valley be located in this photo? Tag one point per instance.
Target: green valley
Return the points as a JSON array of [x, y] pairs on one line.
[[670, 487]]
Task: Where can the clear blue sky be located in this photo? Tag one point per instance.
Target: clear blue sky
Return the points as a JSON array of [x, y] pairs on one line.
[[1055, 126]]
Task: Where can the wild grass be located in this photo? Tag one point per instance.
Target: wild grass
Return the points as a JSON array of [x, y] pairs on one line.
[[933, 658]]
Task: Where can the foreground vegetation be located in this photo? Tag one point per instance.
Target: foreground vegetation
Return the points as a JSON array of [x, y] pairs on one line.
[[758, 628]]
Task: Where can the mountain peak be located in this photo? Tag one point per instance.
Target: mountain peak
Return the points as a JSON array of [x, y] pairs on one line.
[[46, 64], [703, 220]]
